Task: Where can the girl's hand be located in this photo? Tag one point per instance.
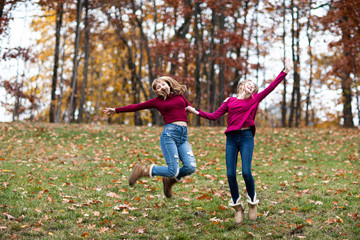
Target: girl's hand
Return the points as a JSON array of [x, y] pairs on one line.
[[288, 65], [192, 110], [109, 111]]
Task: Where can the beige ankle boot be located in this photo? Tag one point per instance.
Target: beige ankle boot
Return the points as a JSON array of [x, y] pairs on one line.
[[140, 171], [239, 210], [168, 183], [252, 214]]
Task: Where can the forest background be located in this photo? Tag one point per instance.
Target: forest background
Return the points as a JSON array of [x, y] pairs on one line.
[[83, 55]]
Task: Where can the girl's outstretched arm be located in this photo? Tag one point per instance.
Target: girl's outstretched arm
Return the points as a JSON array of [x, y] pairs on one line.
[[288, 66], [109, 111], [276, 82], [217, 114], [192, 110]]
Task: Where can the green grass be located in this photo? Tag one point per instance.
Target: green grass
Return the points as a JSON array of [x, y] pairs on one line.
[[71, 182]]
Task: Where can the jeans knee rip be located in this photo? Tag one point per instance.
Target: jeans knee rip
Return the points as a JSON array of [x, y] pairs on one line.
[[190, 153]]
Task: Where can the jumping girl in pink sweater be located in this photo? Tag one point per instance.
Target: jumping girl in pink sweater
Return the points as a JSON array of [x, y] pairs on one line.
[[240, 134]]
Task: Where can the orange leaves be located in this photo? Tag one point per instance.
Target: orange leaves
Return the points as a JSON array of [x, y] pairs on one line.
[[222, 207], [334, 220], [216, 220], [204, 197], [309, 221]]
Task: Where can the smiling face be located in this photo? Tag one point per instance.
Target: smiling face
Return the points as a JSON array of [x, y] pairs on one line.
[[249, 87], [246, 89]]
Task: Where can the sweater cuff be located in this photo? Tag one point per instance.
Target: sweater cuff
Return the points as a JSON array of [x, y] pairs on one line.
[[201, 113]]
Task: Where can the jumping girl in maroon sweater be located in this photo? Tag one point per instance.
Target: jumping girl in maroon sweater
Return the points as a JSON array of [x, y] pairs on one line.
[[240, 138], [173, 141]]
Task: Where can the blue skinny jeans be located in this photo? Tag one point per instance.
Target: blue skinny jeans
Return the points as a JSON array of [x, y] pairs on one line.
[[243, 141], [174, 146]]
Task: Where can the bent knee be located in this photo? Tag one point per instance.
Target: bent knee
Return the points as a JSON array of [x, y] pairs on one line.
[[172, 173], [192, 169]]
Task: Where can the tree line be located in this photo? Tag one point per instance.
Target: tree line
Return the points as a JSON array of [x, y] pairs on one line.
[[92, 54]]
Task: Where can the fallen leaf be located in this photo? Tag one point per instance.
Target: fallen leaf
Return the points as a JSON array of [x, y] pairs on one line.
[[140, 230], [103, 229], [222, 207], [114, 195], [8, 216]]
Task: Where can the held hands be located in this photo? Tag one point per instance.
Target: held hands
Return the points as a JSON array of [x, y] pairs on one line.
[[109, 111], [192, 110], [288, 66]]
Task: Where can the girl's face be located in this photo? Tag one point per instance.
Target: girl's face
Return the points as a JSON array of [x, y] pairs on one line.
[[249, 87], [162, 86]]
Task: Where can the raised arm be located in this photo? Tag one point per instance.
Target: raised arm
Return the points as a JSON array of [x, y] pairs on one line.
[[276, 82]]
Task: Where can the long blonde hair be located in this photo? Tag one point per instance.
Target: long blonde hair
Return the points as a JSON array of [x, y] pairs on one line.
[[240, 89], [175, 87]]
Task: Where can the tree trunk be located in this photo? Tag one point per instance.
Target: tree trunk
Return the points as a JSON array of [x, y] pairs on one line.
[[249, 39], [197, 59], [155, 116], [181, 32], [152, 75], [345, 77], [356, 89], [204, 59], [69, 117], [293, 94], [257, 46], [61, 85], [211, 86], [221, 57], [59, 19], [283, 102], [237, 75], [2, 5], [297, 75], [346, 94], [86, 64], [309, 37]]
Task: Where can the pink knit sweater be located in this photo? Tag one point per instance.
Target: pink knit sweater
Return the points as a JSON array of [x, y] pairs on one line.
[[242, 113]]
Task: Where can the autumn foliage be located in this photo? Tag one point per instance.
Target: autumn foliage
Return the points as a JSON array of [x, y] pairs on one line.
[[92, 54]]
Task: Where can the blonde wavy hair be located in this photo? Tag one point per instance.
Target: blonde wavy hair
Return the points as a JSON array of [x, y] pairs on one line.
[[241, 86], [175, 87]]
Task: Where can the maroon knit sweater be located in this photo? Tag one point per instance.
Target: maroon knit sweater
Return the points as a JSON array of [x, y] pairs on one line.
[[172, 108]]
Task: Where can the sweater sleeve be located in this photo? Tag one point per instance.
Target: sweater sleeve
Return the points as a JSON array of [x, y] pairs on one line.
[[187, 103], [217, 114], [272, 86], [139, 106]]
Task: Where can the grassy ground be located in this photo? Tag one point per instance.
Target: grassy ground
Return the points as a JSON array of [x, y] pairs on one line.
[[70, 182]]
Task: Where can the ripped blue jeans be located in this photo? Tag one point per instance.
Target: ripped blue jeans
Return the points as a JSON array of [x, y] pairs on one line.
[[174, 146]]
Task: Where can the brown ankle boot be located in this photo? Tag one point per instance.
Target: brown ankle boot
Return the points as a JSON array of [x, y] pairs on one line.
[[168, 183], [252, 214], [140, 171], [239, 210]]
